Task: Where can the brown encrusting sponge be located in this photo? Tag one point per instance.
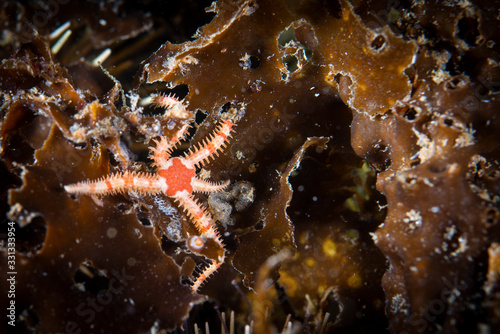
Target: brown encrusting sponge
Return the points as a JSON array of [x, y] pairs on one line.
[[364, 166]]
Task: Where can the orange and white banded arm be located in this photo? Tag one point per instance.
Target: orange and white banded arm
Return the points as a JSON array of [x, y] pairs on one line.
[[211, 145], [201, 219], [119, 183], [160, 152], [212, 268]]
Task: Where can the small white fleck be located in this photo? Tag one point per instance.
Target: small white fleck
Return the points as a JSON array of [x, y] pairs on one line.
[[138, 233], [462, 246], [315, 198], [300, 188], [450, 232], [413, 219], [435, 209]]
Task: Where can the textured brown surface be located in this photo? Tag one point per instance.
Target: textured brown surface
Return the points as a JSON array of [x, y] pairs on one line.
[[437, 153]]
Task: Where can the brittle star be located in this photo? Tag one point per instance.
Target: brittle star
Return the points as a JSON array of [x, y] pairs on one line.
[[176, 178]]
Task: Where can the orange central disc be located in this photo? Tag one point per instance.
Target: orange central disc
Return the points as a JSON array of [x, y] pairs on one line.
[[178, 177]]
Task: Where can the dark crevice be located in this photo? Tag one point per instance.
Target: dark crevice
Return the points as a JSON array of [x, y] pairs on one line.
[[179, 92], [144, 219], [378, 43], [286, 36], [29, 319], [379, 158], [254, 62], [30, 238], [410, 114], [491, 217], [91, 279], [454, 83], [468, 31], [167, 245], [291, 63], [259, 226]]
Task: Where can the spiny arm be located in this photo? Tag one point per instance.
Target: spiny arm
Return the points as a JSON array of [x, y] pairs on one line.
[[160, 153], [201, 219], [205, 225], [211, 145], [205, 274], [202, 186], [118, 183]]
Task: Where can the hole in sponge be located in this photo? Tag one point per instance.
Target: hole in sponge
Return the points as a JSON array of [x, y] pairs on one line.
[[259, 226], [378, 43], [410, 114], [29, 318], [468, 31], [90, 279], [490, 216], [144, 219], [291, 63], [31, 237], [286, 36]]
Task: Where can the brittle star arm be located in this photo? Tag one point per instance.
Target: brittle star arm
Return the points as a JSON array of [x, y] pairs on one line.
[[119, 183], [211, 145], [206, 227], [202, 220], [202, 186], [162, 150], [205, 274]]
